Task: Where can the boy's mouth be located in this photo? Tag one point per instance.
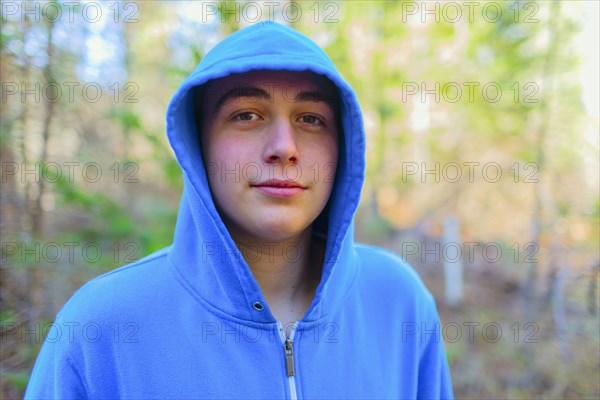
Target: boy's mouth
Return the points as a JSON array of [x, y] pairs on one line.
[[280, 188]]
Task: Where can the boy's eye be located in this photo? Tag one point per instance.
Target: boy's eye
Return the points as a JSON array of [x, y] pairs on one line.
[[246, 116], [311, 120]]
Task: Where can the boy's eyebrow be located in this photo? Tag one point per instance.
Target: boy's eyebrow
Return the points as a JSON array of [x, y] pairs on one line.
[[252, 91], [317, 96], [242, 91]]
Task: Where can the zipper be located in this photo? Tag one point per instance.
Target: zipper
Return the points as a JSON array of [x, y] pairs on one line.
[[288, 349], [288, 354]]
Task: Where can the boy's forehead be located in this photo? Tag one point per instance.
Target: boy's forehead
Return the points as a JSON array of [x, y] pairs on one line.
[[273, 80]]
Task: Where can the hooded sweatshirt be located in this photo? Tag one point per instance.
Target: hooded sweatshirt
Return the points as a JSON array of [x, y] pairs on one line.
[[190, 321]]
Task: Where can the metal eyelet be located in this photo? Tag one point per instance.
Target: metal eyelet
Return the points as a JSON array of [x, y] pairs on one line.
[[257, 306]]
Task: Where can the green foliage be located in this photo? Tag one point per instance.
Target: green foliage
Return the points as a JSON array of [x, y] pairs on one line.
[[7, 317], [102, 208], [127, 119], [455, 351], [16, 379]]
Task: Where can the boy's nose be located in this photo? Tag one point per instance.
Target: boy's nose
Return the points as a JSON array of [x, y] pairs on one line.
[[281, 143]]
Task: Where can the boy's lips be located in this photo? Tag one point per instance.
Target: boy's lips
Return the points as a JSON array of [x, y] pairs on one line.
[[280, 188]]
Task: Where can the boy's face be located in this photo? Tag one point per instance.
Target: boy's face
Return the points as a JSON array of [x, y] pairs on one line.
[[270, 147]]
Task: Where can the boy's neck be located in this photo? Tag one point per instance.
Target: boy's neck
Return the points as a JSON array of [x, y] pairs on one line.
[[288, 272]]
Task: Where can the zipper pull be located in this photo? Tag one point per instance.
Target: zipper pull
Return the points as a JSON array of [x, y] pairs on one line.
[[289, 357]]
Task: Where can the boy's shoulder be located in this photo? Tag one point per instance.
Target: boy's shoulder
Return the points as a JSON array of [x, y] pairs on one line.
[[386, 273], [124, 291], [384, 263]]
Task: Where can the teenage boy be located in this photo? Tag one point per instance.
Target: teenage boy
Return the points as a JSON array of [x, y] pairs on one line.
[[264, 293]]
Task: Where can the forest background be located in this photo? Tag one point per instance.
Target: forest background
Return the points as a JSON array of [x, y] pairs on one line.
[[483, 163]]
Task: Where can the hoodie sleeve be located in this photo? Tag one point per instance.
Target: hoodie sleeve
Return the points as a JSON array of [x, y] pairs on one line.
[[434, 375], [54, 375]]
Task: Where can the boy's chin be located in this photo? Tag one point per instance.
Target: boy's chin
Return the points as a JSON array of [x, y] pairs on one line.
[[278, 230], [273, 225], [279, 234]]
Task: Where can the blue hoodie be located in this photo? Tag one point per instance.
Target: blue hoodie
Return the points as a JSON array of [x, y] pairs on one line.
[[185, 322]]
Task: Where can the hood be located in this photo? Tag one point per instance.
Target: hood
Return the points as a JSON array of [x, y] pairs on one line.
[[203, 253]]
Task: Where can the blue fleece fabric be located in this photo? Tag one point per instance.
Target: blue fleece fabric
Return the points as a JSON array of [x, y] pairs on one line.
[[181, 323]]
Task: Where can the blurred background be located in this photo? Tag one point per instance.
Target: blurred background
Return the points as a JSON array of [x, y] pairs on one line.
[[483, 163]]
